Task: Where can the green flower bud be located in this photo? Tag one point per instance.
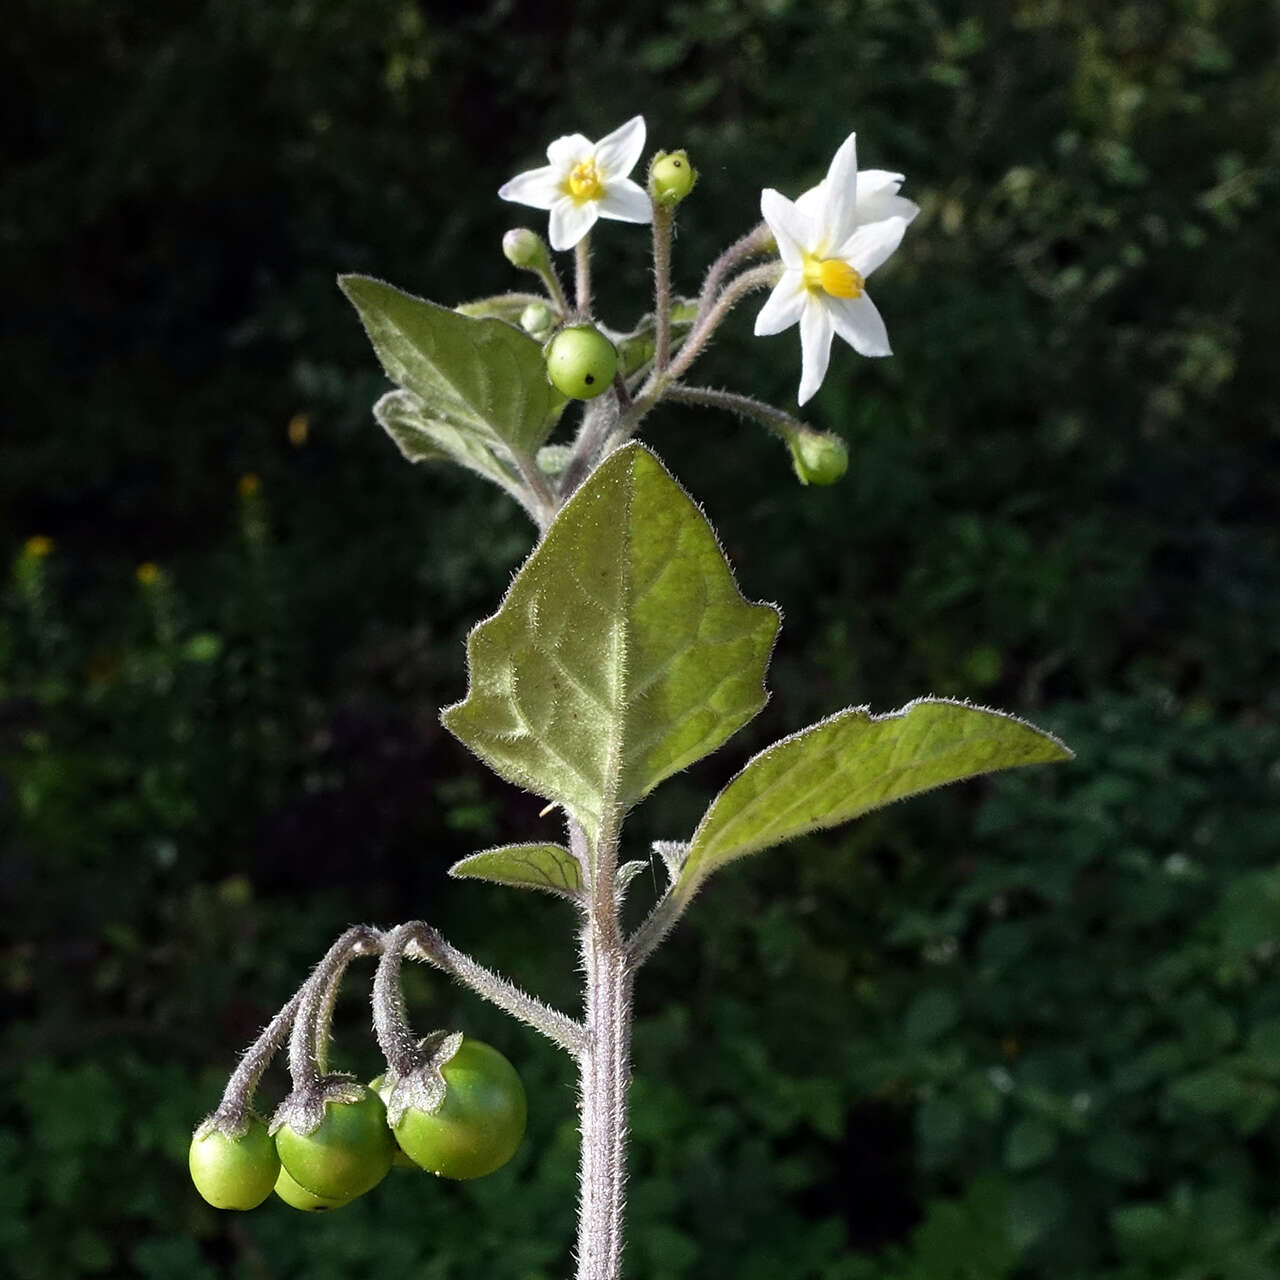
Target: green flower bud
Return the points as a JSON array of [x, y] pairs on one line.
[[671, 177], [818, 456], [581, 361], [526, 249], [537, 319]]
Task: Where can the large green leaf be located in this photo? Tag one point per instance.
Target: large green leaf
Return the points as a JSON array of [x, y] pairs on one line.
[[851, 763], [622, 652], [549, 867], [479, 375]]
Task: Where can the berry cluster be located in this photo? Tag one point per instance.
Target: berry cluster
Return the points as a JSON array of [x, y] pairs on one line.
[[449, 1104]]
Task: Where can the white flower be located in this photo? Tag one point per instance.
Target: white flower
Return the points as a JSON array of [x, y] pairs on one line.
[[830, 240], [585, 181]]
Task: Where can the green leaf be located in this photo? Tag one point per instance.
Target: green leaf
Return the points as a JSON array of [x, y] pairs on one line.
[[1030, 1142], [622, 652], [422, 438], [854, 762], [480, 375], [525, 866]]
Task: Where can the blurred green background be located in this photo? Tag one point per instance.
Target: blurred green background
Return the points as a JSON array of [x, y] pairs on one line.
[[1022, 1028]]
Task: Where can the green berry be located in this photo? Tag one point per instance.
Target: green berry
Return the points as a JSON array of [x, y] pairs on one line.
[[671, 177], [234, 1173], [581, 362], [818, 456], [297, 1197], [348, 1154], [481, 1121], [380, 1086]]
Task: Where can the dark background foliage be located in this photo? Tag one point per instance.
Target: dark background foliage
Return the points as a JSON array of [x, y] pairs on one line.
[[1023, 1028]]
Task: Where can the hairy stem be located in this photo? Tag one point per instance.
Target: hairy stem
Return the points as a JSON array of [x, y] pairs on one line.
[[757, 241], [425, 943], [535, 494], [662, 221], [555, 290], [708, 322], [604, 1069], [778, 421], [390, 1018], [232, 1113], [308, 1045], [582, 275]]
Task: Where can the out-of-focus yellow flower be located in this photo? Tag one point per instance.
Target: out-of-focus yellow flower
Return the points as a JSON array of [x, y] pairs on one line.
[[298, 429], [249, 484], [38, 547], [148, 573]]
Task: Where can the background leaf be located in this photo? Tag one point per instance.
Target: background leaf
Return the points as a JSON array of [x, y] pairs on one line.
[[852, 763], [622, 652]]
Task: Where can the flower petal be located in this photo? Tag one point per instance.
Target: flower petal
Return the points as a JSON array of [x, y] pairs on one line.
[[812, 203], [791, 229], [874, 182], [572, 149], [616, 154], [878, 197], [841, 197], [625, 201], [858, 322], [539, 188], [784, 306], [570, 221], [871, 244], [815, 346]]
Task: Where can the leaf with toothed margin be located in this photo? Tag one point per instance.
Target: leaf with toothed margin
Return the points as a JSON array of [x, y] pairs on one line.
[[623, 650], [854, 762], [548, 867], [482, 376]]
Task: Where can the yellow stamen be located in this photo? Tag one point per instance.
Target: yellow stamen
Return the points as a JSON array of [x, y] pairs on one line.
[[833, 276], [584, 182]]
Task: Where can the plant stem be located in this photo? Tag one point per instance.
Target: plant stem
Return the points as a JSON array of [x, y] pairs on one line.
[[777, 420], [582, 275], [605, 1079], [426, 943], [605, 1069], [662, 220]]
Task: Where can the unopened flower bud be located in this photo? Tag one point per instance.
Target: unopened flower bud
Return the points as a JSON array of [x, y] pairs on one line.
[[526, 249], [818, 457], [671, 177], [537, 319], [581, 362]]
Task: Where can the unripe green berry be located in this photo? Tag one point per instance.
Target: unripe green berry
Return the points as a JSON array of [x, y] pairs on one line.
[[297, 1196], [525, 249], [818, 456], [348, 1154], [234, 1173], [671, 177], [581, 362]]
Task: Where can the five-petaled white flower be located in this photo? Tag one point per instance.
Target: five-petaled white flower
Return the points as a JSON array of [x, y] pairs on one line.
[[830, 240], [585, 181]]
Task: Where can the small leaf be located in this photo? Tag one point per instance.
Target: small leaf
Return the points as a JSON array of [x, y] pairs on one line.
[[854, 762], [525, 866], [421, 438], [622, 653], [480, 375], [502, 306]]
